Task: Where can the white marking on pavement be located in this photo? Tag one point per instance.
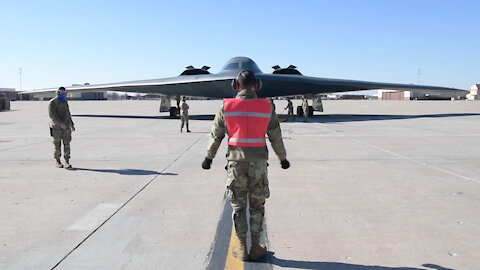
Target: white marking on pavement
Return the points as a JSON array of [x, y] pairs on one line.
[[95, 217], [355, 137], [118, 207], [419, 162]]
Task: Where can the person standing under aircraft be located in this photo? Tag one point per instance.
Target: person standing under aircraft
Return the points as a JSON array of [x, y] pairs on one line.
[[305, 108], [177, 98], [289, 107], [61, 126], [184, 115], [246, 119]]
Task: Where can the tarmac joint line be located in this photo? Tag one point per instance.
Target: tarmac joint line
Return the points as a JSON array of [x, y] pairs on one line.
[[420, 163], [128, 201]]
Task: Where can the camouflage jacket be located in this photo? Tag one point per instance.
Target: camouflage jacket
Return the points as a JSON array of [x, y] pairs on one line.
[[59, 113], [238, 153], [185, 108]]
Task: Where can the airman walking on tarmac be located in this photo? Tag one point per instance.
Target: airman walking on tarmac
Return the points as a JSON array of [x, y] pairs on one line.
[[247, 119], [184, 115], [61, 126]]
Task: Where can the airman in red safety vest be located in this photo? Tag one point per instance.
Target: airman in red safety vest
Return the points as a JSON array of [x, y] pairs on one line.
[[247, 119]]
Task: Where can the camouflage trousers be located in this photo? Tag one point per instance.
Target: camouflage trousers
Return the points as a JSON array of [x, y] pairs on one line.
[[305, 113], [60, 136], [184, 119], [247, 182]]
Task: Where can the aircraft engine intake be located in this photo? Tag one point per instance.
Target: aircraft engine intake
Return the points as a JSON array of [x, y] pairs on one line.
[[290, 70], [191, 70]]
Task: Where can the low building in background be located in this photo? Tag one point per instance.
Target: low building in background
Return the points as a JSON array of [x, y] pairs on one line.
[[87, 95], [393, 95], [8, 93], [474, 89], [364, 94], [413, 95], [70, 95]]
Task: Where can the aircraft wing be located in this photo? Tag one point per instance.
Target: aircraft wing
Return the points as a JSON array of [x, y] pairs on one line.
[[291, 85], [208, 85], [273, 85]]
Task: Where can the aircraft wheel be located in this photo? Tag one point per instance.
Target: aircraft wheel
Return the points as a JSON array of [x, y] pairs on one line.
[[310, 111], [299, 111], [173, 112]]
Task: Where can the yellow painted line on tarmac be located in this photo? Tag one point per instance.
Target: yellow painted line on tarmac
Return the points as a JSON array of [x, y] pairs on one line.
[[233, 263]]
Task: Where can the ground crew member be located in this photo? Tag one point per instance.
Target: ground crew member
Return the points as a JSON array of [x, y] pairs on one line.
[[61, 126], [305, 108], [184, 116], [289, 107], [177, 98], [246, 119], [273, 104]]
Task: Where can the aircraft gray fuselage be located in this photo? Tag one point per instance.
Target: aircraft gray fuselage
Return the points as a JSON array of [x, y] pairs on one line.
[[218, 85]]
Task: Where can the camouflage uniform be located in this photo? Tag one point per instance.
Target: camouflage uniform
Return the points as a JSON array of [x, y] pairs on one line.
[[247, 171], [177, 98], [305, 108], [289, 107], [247, 177], [178, 104], [184, 115], [59, 112]]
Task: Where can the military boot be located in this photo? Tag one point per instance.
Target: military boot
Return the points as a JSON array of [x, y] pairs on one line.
[[67, 165], [240, 251], [256, 250], [59, 164]]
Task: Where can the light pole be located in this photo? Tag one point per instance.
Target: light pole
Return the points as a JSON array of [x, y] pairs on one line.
[[20, 72]]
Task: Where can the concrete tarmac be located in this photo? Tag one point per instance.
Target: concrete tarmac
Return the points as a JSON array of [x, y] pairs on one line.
[[374, 185]]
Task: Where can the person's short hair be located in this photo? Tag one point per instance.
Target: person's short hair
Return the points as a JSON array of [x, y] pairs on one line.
[[246, 78], [61, 88]]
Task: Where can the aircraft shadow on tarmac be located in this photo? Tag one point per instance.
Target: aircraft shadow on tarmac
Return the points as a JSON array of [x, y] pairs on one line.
[[324, 118], [190, 117], [124, 171], [271, 259], [327, 118]]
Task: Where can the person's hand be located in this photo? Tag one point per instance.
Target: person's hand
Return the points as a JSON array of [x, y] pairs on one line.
[[62, 126], [73, 128], [206, 163], [285, 164]]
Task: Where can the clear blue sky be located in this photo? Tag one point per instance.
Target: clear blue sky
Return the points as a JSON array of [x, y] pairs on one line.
[[64, 42]]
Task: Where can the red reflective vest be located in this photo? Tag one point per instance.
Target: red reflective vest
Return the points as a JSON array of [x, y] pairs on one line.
[[247, 121]]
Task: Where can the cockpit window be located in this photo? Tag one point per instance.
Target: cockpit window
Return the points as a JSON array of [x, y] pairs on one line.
[[241, 63], [231, 66], [250, 65]]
